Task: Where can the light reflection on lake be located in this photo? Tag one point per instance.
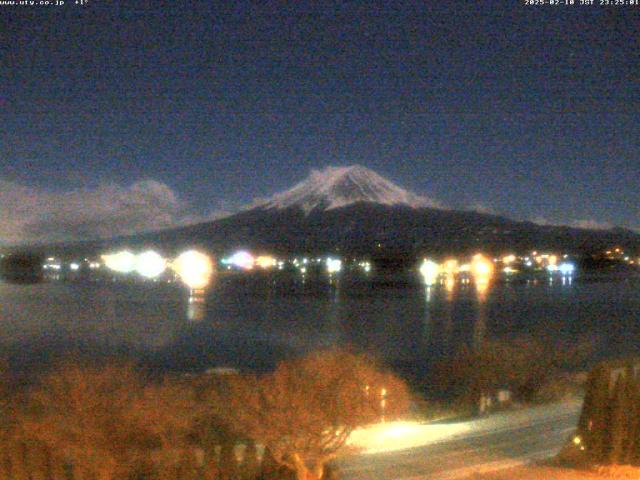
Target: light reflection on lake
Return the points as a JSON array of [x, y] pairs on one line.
[[253, 322]]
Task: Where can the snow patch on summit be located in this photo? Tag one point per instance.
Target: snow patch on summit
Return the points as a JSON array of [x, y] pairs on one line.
[[336, 187]]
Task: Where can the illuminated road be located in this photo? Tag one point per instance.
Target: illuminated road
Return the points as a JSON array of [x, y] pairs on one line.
[[450, 451]]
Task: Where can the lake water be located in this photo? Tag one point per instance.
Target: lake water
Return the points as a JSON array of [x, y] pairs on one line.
[[251, 322]]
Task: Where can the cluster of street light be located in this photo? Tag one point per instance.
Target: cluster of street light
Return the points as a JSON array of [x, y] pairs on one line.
[[194, 268], [480, 267], [245, 261]]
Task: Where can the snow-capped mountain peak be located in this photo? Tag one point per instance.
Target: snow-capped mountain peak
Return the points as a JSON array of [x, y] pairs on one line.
[[336, 187]]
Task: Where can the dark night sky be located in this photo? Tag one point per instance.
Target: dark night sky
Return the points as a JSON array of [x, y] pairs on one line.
[[533, 112]]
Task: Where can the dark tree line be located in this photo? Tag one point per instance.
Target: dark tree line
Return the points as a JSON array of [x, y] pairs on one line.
[[526, 366], [609, 426]]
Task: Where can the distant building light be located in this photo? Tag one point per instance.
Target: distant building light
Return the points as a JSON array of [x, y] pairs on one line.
[[429, 271], [450, 266], [74, 266], [567, 268], [508, 259], [122, 262], [334, 265], [266, 261], [242, 259], [481, 266], [150, 264], [194, 268]]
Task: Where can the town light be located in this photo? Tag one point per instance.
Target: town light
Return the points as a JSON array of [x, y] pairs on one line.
[[567, 268], [429, 271], [265, 261], [450, 267], [334, 265], [482, 271], [508, 259], [194, 268], [481, 267], [150, 264], [449, 284], [242, 259], [121, 262]]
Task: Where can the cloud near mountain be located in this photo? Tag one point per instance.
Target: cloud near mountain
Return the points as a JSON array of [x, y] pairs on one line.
[[29, 214]]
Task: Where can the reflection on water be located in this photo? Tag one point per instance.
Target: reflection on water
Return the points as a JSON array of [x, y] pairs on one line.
[[196, 306], [428, 321], [480, 322], [450, 285], [245, 320], [482, 283]]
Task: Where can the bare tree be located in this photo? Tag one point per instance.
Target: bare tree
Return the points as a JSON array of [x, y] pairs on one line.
[[83, 415], [166, 414], [306, 409]]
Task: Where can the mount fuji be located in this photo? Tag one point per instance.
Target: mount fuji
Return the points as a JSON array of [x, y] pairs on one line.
[[337, 187], [354, 210]]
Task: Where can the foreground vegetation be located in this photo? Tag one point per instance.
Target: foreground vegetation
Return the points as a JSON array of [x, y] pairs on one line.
[[609, 426], [111, 421], [531, 370]]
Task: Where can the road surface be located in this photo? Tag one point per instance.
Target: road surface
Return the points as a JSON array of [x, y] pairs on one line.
[[459, 450]]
